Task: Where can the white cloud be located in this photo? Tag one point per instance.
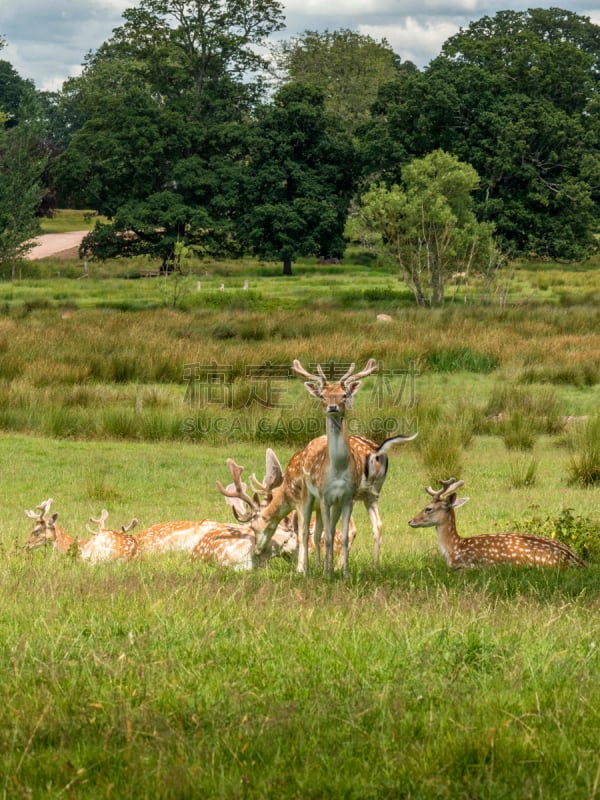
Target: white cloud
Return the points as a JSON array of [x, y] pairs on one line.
[[413, 40]]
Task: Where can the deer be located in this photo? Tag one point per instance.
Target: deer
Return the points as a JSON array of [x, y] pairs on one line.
[[104, 545], [240, 501], [332, 475], [283, 494], [187, 535], [519, 549], [234, 545]]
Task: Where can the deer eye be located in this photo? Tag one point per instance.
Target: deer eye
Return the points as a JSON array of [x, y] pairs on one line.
[[429, 509]]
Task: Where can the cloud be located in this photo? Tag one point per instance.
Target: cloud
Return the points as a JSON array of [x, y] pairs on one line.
[[412, 39], [47, 41]]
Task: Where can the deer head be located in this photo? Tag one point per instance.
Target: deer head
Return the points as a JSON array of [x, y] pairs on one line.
[[44, 530], [336, 397], [442, 501], [244, 506]]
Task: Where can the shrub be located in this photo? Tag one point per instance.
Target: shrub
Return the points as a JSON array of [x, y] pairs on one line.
[[523, 473], [456, 359], [440, 449], [581, 534], [584, 466], [518, 432]]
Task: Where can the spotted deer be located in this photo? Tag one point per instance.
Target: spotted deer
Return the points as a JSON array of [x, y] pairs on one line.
[[495, 548], [103, 545], [246, 508], [285, 491], [332, 475], [229, 540], [234, 545], [329, 475]]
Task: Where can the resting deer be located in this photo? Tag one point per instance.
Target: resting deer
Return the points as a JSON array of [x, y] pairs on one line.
[[234, 545], [496, 548], [187, 535], [246, 508], [104, 545]]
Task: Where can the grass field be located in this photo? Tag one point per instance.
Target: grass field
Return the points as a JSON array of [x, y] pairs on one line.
[[170, 679]]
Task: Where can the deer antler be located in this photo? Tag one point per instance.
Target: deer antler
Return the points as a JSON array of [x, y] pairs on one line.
[[299, 370], [370, 367], [99, 522], [448, 486], [239, 492]]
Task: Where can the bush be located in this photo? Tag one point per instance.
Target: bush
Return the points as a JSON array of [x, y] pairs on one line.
[[523, 474], [518, 432], [581, 534], [440, 450], [584, 466]]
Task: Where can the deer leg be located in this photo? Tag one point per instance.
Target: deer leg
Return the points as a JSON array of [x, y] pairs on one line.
[[346, 514], [304, 512], [317, 538], [330, 519], [376, 525]]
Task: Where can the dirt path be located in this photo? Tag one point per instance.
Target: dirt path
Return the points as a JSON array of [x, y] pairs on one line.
[[65, 245]]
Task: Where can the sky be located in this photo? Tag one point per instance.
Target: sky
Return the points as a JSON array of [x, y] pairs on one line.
[[47, 40]]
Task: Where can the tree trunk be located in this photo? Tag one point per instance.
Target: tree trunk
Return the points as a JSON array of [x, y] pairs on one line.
[[287, 266]]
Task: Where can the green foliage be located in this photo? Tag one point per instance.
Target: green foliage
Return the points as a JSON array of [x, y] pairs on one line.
[[518, 432], [350, 67], [580, 533], [299, 181], [440, 449], [428, 225], [21, 167], [584, 466], [454, 359], [523, 413], [500, 97], [523, 473]]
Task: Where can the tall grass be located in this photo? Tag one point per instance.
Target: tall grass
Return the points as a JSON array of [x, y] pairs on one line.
[[584, 466]]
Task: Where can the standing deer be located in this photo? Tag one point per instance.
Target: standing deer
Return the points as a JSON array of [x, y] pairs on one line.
[[495, 548], [248, 508], [104, 544], [284, 492]]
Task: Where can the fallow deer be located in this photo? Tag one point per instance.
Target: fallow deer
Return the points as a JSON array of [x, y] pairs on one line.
[[495, 548], [329, 473], [284, 492], [187, 535], [247, 508], [104, 545], [331, 476], [234, 545]]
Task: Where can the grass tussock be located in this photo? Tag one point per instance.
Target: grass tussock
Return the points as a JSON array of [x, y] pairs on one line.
[[584, 465]]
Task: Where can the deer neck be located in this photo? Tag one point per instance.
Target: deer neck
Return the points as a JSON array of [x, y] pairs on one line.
[[448, 537], [338, 444], [62, 540]]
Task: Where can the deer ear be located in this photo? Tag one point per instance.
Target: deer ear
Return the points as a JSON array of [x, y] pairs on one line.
[[53, 518], [460, 502], [314, 389], [352, 388]]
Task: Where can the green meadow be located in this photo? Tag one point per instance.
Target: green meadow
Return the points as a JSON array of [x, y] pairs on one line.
[[171, 679]]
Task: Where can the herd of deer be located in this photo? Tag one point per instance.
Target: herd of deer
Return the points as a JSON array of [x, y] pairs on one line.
[[325, 477]]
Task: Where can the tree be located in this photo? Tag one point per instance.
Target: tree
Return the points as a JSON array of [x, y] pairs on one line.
[[21, 168], [428, 224], [348, 66], [299, 180], [162, 110], [12, 90], [516, 96]]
